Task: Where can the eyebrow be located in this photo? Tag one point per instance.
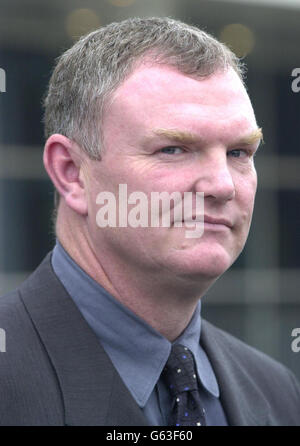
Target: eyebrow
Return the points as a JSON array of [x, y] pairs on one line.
[[188, 137], [253, 137], [177, 135]]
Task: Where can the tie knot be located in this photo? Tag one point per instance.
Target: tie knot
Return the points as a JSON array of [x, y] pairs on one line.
[[180, 372]]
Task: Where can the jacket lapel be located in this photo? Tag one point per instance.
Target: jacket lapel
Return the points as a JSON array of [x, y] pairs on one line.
[[92, 390], [243, 402]]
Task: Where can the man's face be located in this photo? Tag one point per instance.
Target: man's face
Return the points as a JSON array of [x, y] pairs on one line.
[[167, 132]]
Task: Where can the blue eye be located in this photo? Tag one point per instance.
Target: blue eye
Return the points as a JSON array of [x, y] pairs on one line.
[[237, 152], [172, 150]]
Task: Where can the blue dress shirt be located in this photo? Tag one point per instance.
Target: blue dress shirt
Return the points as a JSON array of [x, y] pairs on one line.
[[138, 351]]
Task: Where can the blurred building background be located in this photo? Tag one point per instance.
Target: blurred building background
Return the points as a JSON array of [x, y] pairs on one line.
[[258, 298]]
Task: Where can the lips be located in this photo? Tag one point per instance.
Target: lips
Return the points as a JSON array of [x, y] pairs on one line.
[[208, 219], [217, 221], [205, 219]]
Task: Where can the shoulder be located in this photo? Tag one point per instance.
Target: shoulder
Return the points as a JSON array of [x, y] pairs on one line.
[[25, 367], [247, 356], [256, 376], [16, 325]]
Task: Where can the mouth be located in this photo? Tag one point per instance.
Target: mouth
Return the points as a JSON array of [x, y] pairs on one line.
[[217, 221], [207, 220]]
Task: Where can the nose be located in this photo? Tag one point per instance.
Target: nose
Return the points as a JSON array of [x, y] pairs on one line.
[[214, 178]]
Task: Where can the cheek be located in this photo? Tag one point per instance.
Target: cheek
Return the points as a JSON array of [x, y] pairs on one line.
[[167, 180], [246, 197]]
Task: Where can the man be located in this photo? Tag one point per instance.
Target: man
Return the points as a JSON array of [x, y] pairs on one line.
[[99, 331]]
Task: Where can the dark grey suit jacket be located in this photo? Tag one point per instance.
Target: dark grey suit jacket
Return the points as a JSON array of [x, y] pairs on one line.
[[55, 371]]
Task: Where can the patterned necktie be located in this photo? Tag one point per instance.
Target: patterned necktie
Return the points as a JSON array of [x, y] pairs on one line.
[[181, 378]]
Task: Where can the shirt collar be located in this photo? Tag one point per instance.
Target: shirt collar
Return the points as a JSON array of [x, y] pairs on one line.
[[137, 350]]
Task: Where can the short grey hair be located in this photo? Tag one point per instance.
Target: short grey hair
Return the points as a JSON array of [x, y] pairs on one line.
[[87, 74]]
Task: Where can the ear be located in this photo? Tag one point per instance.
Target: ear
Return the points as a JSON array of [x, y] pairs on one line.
[[63, 161]]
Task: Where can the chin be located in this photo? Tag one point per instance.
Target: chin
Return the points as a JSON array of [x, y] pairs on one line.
[[199, 262]]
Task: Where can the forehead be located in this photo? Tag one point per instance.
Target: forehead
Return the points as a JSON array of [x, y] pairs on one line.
[[161, 96]]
